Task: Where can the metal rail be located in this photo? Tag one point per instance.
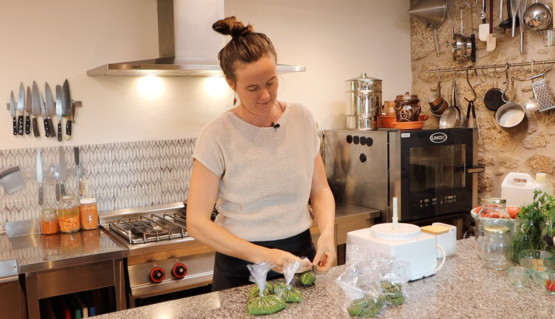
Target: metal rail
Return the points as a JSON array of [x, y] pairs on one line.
[[493, 66]]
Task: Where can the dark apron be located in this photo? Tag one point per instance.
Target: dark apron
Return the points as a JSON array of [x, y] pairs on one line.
[[232, 272]]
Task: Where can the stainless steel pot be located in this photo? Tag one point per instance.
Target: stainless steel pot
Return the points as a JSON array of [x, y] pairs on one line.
[[363, 99], [463, 47]]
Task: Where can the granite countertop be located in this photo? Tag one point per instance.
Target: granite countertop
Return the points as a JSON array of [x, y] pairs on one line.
[[463, 288], [41, 252]]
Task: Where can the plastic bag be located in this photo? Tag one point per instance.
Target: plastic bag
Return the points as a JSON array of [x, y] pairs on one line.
[[308, 277], [395, 276], [263, 303], [363, 293], [255, 290], [284, 290]]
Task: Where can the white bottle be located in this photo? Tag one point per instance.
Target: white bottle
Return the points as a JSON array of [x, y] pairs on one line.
[[542, 184]]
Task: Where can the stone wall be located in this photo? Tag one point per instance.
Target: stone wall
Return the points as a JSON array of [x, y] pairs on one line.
[[529, 149]]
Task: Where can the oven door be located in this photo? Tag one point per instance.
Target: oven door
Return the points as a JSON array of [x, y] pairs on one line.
[[434, 173]]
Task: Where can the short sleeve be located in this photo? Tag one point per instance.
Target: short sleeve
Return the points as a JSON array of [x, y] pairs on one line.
[[208, 151]]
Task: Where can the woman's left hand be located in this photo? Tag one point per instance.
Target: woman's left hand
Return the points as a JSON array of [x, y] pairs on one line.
[[325, 252]]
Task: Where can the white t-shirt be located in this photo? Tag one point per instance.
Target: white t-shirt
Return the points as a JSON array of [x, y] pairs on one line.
[[265, 172]]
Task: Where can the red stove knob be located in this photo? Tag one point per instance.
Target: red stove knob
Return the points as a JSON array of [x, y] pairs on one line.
[[157, 274], [179, 270]]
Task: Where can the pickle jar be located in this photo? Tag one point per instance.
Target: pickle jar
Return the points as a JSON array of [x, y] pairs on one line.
[[49, 221], [68, 214], [89, 213]]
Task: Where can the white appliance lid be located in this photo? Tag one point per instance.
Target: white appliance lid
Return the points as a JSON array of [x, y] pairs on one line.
[[403, 232]]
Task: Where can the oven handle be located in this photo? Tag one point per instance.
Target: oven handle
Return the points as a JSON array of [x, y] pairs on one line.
[[475, 169]]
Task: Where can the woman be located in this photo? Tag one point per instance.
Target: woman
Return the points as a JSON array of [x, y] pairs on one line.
[[261, 162]]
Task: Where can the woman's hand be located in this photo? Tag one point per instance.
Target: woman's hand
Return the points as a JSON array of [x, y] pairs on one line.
[[325, 252], [281, 257]]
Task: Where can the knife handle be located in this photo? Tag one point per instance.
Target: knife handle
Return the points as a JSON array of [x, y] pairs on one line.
[[57, 191], [20, 124], [60, 131], [46, 128], [14, 126], [35, 127], [40, 194], [62, 189], [76, 155], [27, 125], [52, 129], [68, 130]]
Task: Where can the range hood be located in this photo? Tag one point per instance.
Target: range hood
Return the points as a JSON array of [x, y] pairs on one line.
[[188, 46]]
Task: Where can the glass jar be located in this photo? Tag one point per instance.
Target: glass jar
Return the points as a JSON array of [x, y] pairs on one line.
[[495, 248], [68, 214], [493, 213], [547, 229], [49, 221], [526, 236], [89, 213]]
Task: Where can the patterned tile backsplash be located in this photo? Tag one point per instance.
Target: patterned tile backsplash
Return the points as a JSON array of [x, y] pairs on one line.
[[122, 175]]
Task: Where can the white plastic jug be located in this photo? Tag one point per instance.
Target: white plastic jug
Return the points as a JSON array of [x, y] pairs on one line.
[[518, 188]]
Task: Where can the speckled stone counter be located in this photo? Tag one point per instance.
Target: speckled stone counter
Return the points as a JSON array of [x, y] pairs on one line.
[[463, 288]]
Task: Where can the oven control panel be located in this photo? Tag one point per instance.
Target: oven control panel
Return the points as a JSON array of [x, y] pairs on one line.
[[179, 272]]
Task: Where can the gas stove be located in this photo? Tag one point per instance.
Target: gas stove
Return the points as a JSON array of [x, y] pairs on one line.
[[162, 257]]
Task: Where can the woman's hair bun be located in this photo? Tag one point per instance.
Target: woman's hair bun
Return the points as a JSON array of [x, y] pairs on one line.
[[230, 26]]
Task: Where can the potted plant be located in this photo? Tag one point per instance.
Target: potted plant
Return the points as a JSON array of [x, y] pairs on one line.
[[526, 231]]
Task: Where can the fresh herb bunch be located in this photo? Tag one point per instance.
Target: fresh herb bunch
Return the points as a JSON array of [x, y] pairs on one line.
[[530, 231]]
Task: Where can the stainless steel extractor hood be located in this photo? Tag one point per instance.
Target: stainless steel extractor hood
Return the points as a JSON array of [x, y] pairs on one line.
[[188, 46]]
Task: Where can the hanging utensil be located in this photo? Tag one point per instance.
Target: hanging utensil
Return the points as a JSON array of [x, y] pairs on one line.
[[39, 175], [538, 16], [542, 93], [471, 107], [432, 13], [494, 99], [491, 41], [463, 46], [515, 5], [483, 29], [510, 116], [451, 116], [13, 113], [532, 104], [521, 10]]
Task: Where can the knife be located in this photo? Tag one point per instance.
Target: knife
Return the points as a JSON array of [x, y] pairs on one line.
[[62, 171], [12, 112], [50, 108], [28, 110], [66, 108], [36, 108], [59, 110], [21, 108], [44, 115], [39, 175]]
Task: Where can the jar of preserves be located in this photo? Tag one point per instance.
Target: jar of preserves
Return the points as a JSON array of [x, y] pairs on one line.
[[49, 221], [89, 213], [491, 213], [495, 248], [68, 214]]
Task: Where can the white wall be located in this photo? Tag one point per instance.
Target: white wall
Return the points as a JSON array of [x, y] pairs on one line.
[[53, 40]]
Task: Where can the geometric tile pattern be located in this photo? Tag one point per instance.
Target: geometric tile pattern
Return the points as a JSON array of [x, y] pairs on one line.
[[122, 175]]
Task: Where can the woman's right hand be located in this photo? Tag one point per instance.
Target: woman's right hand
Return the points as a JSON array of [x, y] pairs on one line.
[[280, 258]]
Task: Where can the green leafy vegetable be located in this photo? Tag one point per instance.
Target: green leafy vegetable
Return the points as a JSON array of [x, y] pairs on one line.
[[366, 307], [307, 278], [288, 293], [393, 293], [265, 305], [255, 291]]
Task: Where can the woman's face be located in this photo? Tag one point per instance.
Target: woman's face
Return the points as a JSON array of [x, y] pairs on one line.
[[256, 85]]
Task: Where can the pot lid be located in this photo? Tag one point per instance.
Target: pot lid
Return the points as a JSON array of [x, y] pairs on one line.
[[403, 232], [363, 78], [407, 97], [493, 201]]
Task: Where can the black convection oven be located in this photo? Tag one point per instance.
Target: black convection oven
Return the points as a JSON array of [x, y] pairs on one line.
[[431, 172]]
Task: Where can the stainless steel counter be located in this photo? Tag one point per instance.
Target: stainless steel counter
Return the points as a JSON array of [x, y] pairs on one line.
[[44, 252]]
